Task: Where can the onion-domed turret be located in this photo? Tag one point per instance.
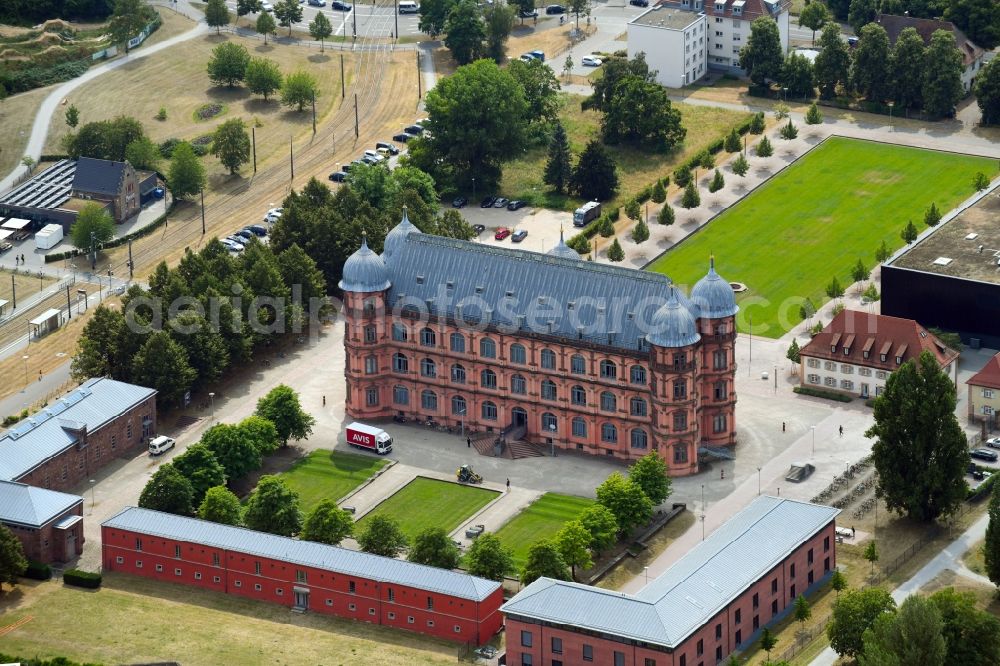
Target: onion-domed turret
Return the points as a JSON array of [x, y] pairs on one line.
[[364, 271], [563, 250], [714, 295], [396, 237], [673, 325]]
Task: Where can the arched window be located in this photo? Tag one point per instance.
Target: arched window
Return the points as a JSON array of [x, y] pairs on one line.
[[549, 422], [548, 359], [609, 402], [638, 374], [400, 363], [488, 379], [518, 385], [428, 399], [578, 365], [399, 333], [549, 391], [489, 411], [401, 395], [608, 369], [427, 337], [458, 343], [517, 354], [487, 348], [458, 373], [609, 433], [458, 405], [428, 368], [579, 427], [639, 439], [578, 395], [637, 406]]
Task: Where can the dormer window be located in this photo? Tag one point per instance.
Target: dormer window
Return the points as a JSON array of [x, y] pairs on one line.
[[847, 351], [720, 6], [899, 360], [882, 357], [833, 349], [866, 354]]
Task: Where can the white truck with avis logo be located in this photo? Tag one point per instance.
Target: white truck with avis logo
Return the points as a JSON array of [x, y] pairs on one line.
[[369, 437]]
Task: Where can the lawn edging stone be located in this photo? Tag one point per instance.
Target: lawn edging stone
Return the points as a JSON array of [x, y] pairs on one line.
[[367, 482]]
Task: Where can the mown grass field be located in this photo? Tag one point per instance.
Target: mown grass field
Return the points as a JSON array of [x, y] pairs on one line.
[[133, 620], [325, 474], [541, 520], [522, 178], [424, 503], [814, 220]]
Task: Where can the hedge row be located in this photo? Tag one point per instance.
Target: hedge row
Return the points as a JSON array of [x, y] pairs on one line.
[[37, 77], [984, 488], [79, 578], [35, 661], [145, 231], [580, 242], [38, 571], [822, 393]]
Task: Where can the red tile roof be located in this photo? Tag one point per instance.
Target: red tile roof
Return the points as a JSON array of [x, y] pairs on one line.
[[852, 333], [989, 376], [751, 8], [894, 25]]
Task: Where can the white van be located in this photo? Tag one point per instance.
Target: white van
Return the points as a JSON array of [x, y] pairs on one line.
[[160, 445], [408, 7]]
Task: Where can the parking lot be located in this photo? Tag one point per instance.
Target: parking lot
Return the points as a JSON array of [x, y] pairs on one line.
[[372, 20], [541, 224]]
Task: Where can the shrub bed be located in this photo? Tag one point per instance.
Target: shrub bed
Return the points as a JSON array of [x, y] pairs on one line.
[[38, 571], [86, 579], [822, 393]]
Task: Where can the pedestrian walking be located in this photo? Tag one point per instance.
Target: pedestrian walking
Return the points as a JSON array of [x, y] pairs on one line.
[[841, 431], [782, 426], [324, 401], [22, 260], [853, 531], [468, 442], [722, 474], [508, 485]]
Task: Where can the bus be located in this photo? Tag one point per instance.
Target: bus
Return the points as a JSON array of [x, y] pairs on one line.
[[585, 213]]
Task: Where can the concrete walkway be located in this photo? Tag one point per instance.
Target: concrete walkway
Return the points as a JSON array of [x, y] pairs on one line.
[[948, 559]]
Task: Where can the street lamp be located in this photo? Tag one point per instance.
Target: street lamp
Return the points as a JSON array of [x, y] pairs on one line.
[[211, 396], [552, 427], [473, 189], [25, 359], [758, 480], [784, 94], [92, 496], [891, 104], [703, 512], [645, 571], [813, 428]]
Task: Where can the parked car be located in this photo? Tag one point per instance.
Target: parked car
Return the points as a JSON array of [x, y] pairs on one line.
[[500, 202], [479, 228], [555, 9], [415, 129], [984, 454], [591, 61], [516, 204], [537, 55], [519, 236], [403, 137], [384, 145], [231, 245], [272, 215], [354, 163], [459, 202], [257, 230], [993, 442], [529, 14], [341, 6], [318, 3], [238, 239], [338, 176], [4, 247], [160, 445], [639, 3], [245, 233], [487, 202], [267, 7], [501, 233]]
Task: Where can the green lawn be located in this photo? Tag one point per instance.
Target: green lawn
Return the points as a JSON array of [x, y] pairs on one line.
[[522, 178], [814, 220], [424, 503], [325, 474], [541, 520]]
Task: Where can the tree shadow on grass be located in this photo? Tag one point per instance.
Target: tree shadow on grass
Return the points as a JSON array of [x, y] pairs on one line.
[[319, 57], [665, 243], [264, 48], [763, 172], [296, 117], [261, 106], [226, 94]]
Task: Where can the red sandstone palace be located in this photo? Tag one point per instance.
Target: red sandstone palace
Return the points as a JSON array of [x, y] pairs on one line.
[[547, 348]]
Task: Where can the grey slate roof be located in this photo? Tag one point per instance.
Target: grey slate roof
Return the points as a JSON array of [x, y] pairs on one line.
[[692, 591], [498, 285], [713, 295], [98, 176], [48, 432], [675, 327], [306, 553], [364, 271], [32, 507], [396, 237], [563, 250]]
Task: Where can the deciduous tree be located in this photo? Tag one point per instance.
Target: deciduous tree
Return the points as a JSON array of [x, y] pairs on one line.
[[853, 613], [650, 473], [980, 181], [559, 167], [287, 12], [942, 75], [143, 154], [217, 14], [573, 541], [434, 548], [814, 16], [862, 13], [991, 547], [832, 64], [382, 536], [979, 19], [466, 32], [544, 559], [499, 21], [220, 505], [882, 253], [761, 58], [231, 144], [971, 636], [792, 354], [199, 466], [911, 636], [906, 66], [871, 554], [540, 87], [489, 558], [920, 451], [834, 289], [602, 526], [228, 64], [802, 610], [434, 15], [281, 407], [767, 642], [640, 114], [244, 7], [626, 500], [273, 507], [298, 89], [797, 76], [320, 28], [237, 455], [595, 177], [169, 491], [127, 20], [860, 272], [265, 25], [93, 227], [13, 563], [162, 364], [870, 73], [186, 175], [613, 71], [327, 523]]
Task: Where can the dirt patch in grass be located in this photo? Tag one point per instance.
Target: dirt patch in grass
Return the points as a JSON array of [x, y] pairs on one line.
[[190, 626]]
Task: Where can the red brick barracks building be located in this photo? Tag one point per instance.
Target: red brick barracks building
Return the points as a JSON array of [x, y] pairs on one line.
[[48, 524], [601, 359], [710, 603], [302, 575], [62, 445]]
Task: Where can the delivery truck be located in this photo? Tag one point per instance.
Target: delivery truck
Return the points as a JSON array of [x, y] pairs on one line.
[[368, 437]]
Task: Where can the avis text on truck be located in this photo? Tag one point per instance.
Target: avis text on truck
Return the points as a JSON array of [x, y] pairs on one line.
[[369, 437]]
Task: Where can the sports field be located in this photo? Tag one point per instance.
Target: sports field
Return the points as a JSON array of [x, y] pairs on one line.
[[541, 520], [325, 474], [814, 220], [424, 503]]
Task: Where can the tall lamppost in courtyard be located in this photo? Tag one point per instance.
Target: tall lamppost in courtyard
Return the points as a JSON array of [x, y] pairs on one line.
[[93, 483], [813, 428], [758, 480], [891, 104], [211, 397]]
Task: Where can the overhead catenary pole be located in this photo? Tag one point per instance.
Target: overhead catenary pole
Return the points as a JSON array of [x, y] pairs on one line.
[[93, 251], [69, 305], [356, 133], [291, 157], [395, 5], [202, 217], [343, 84], [253, 136], [354, 16], [13, 290], [314, 111], [131, 264], [420, 91]]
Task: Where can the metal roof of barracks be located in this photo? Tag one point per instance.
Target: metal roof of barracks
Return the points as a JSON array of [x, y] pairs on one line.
[[306, 553], [692, 591]]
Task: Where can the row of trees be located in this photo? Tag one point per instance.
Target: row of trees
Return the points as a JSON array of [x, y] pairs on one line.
[[978, 19], [168, 341], [909, 74], [231, 64]]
